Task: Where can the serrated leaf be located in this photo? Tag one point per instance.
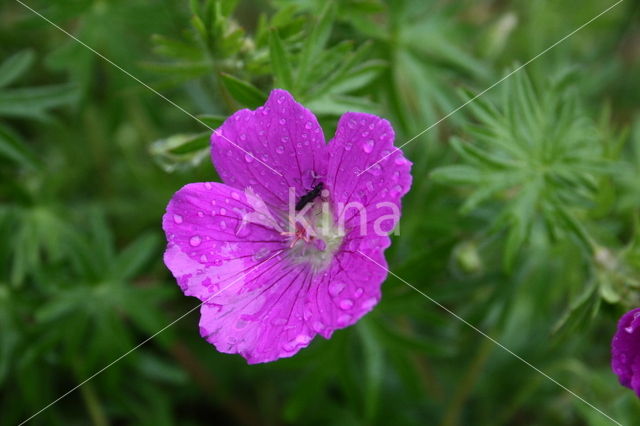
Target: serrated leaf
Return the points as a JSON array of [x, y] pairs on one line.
[[242, 91]]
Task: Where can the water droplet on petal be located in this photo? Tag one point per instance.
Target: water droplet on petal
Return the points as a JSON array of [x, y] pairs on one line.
[[248, 157], [177, 218], [203, 258], [282, 121], [317, 326], [358, 292], [344, 319], [400, 160], [347, 146], [335, 288], [375, 170], [352, 124], [280, 149], [396, 190], [223, 224], [369, 303], [223, 211], [368, 146], [195, 240], [308, 125], [207, 185], [235, 195], [346, 304]]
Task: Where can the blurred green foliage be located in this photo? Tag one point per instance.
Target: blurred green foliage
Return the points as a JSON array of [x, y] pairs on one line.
[[524, 217]]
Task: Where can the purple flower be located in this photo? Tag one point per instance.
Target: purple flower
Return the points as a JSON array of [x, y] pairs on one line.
[[625, 350], [278, 253]]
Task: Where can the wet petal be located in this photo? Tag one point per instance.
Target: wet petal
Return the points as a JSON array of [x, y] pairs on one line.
[[215, 233], [367, 178], [344, 293], [277, 146], [262, 321]]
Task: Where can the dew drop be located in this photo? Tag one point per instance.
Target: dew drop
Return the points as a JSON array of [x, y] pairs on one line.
[[352, 124], [317, 326], [177, 218], [308, 125], [346, 304], [282, 121], [235, 195], [248, 157], [358, 292], [243, 137], [396, 190], [347, 146], [203, 258], [223, 224], [195, 240], [375, 170], [280, 149], [344, 319], [207, 185], [369, 303], [223, 211], [368, 146], [335, 288]]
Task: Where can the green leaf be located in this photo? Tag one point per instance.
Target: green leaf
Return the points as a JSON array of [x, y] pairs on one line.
[[456, 174], [13, 148], [34, 102], [180, 151], [315, 41], [14, 66], [131, 260], [213, 121], [242, 91], [279, 62]]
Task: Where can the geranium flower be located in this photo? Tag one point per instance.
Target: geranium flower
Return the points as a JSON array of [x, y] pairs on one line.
[[278, 252], [625, 350]]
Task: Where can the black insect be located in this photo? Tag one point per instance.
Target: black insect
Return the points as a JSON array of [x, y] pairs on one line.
[[309, 196]]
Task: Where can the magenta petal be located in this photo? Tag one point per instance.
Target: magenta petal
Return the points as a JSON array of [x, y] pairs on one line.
[[365, 169], [263, 320], [277, 146], [349, 289], [209, 243], [625, 350]]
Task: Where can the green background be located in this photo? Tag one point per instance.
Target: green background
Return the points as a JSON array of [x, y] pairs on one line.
[[523, 217]]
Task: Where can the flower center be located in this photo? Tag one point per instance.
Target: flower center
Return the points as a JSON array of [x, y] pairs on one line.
[[314, 237]]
